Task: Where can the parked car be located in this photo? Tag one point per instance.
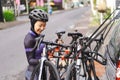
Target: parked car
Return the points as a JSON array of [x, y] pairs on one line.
[[112, 54]]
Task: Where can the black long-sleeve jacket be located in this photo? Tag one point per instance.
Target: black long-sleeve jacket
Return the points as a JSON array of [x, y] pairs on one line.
[[29, 43]]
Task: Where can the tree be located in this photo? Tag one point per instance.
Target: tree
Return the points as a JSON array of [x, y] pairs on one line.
[[93, 4], [1, 13]]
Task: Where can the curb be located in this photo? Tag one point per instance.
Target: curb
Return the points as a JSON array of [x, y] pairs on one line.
[[10, 24]]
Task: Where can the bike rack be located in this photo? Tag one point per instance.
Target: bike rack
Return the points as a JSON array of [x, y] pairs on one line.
[[103, 32]]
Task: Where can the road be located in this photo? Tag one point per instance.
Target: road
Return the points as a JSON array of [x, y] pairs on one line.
[[12, 55]]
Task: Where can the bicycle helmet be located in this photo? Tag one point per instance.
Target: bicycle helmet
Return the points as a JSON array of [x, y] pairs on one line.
[[38, 15]]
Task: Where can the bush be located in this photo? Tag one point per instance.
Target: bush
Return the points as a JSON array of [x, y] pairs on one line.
[[9, 15], [107, 13], [55, 8]]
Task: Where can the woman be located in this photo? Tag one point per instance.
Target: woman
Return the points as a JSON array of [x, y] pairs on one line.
[[38, 19]]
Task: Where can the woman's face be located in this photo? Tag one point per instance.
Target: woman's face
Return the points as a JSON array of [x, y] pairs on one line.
[[39, 27]]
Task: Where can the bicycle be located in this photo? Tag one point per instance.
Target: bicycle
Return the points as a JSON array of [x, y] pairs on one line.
[[57, 55], [45, 70], [82, 66]]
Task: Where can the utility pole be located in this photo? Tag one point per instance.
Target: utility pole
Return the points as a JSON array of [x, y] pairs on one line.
[[48, 2], [27, 6], [1, 13], [92, 7]]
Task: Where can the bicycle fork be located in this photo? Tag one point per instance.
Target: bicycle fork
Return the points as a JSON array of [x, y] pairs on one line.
[[42, 60], [41, 67]]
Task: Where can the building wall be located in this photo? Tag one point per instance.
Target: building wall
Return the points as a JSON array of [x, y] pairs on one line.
[[117, 3], [111, 4], [75, 0]]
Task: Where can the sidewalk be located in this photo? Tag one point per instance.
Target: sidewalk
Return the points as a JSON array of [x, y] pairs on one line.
[[19, 20], [10, 24]]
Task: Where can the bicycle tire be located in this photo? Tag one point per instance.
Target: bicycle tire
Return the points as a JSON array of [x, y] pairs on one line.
[[53, 73], [72, 75], [71, 72]]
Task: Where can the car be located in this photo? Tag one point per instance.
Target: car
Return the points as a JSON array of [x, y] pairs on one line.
[[112, 54]]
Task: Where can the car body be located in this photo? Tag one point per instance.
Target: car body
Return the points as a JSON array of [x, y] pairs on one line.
[[112, 53]]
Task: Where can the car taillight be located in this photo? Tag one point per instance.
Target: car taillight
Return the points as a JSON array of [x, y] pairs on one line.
[[118, 70]]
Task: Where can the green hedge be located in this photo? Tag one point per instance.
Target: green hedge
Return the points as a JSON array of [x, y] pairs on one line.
[[43, 8], [9, 15], [107, 13]]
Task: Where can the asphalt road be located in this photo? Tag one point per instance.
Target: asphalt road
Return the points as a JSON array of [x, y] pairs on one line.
[[12, 55]]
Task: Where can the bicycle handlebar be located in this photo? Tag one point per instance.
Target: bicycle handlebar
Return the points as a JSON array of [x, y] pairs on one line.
[[38, 40], [54, 44]]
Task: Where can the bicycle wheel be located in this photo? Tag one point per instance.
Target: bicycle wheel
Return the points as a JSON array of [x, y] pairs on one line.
[[70, 74], [49, 72], [76, 72], [91, 71]]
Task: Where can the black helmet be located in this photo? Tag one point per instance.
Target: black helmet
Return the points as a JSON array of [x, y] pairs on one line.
[[38, 15]]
